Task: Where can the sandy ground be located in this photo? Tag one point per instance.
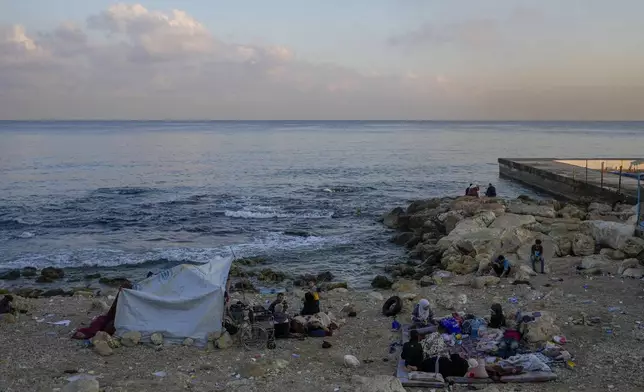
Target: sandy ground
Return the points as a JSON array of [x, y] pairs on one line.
[[40, 357]]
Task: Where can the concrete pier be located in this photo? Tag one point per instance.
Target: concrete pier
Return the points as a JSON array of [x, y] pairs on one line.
[[576, 179]]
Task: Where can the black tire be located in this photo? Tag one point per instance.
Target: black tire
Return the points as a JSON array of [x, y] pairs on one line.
[[392, 306]]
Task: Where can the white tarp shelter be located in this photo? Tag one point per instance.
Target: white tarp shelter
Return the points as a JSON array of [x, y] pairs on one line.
[[181, 302]]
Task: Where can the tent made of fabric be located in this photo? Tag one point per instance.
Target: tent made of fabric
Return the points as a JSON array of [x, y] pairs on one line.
[[186, 301]]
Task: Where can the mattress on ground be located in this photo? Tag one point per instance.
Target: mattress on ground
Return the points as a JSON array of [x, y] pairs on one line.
[[403, 375]]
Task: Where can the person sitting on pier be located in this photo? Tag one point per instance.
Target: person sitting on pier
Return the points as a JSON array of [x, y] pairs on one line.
[[501, 266], [536, 254], [491, 191], [474, 191], [467, 190]]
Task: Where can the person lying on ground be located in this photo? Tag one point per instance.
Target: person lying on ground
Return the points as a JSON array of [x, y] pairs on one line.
[[454, 366], [311, 306], [412, 352], [536, 254], [279, 301], [501, 266]]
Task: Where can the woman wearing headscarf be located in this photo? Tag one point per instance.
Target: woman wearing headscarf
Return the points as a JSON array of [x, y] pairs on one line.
[[422, 317], [497, 319]]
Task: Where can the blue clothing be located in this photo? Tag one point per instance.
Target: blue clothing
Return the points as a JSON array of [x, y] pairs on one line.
[[506, 265]]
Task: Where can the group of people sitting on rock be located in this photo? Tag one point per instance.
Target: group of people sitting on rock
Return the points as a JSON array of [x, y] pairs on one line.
[[502, 266], [473, 191]]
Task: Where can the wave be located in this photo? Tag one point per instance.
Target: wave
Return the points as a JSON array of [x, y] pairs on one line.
[[125, 190], [267, 244], [259, 212], [26, 234], [17, 223]]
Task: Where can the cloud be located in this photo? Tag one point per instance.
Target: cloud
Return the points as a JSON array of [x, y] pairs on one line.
[[135, 63]]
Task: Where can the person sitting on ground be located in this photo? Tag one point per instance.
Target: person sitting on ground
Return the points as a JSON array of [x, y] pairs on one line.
[[497, 319], [422, 315], [467, 190], [6, 306], [311, 306], [474, 191], [412, 352], [454, 366], [501, 266], [279, 301], [281, 322], [536, 254], [491, 191]]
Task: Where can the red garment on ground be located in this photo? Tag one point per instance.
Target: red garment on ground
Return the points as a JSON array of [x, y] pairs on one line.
[[103, 323]]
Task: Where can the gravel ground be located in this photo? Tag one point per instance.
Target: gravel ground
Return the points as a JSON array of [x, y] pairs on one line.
[[40, 357]]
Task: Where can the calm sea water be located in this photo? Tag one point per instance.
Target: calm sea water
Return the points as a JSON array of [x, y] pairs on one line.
[[305, 195]]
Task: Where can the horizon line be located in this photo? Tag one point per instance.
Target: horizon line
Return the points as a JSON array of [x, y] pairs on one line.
[[308, 120]]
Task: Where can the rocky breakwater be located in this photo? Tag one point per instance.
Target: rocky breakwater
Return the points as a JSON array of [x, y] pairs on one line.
[[463, 235]]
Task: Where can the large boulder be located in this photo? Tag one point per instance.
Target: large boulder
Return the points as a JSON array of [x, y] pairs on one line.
[[541, 330], [419, 205], [450, 219], [480, 282], [583, 245], [626, 264], [523, 272], [636, 273], [513, 239], [509, 221], [607, 234], [633, 247], [562, 241], [520, 208], [600, 208], [395, 218], [402, 238], [469, 206], [571, 211], [381, 282], [612, 254], [595, 261], [466, 226], [376, 384]]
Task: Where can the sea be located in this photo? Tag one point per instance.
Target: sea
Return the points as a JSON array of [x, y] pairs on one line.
[[127, 197]]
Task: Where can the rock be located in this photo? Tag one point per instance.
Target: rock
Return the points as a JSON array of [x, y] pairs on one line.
[[157, 339], [381, 282], [52, 273], [419, 205], [92, 276], [426, 281], [404, 285], [251, 261], [612, 254], [633, 273], [632, 246], [29, 272], [10, 275], [395, 219], [27, 292], [115, 282], [469, 225], [524, 273], [101, 336], [340, 290], [268, 275], [245, 285], [56, 293], [546, 211], [377, 296], [571, 211], [102, 348], [583, 245], [510, 221], [99, 305], [325, 277], [594, 261], [83, 293], [600, 208], [607, 234], [224, 341], [351, 362], [335, 285], [626, 264], [402, 238], [7, 318], [131, 339], [541, 330], [82, 385], [376, 384], [562, 242], [480, 282], [188, 342], [450, 219], [408, 296], [511, 240]]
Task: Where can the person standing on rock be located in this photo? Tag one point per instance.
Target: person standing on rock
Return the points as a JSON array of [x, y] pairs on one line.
[[501, 266], [536, 254]]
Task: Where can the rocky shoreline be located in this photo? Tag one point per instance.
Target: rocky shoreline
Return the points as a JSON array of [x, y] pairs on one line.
[[463, 235]]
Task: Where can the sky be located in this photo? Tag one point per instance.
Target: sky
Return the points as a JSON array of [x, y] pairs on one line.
[[322, 60]]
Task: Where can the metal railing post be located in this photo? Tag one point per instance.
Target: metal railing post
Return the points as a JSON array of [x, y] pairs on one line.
[[619, 186], [602, 177], [586, 171], [639, 203]]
